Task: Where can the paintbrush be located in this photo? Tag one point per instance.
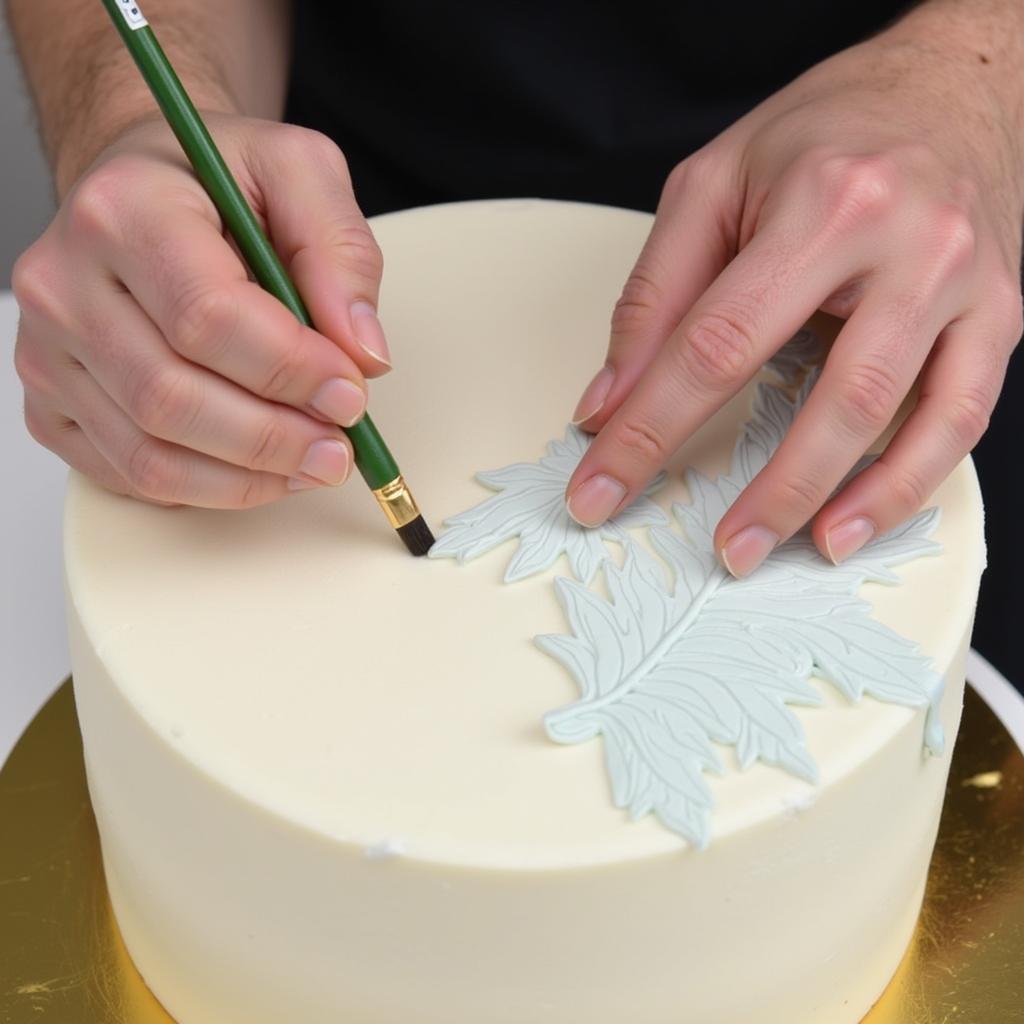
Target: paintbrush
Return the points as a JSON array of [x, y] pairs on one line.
[[372, 458]]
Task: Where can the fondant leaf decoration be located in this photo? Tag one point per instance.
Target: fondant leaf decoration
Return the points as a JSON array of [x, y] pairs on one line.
[[668, 667], [530, 505], [803, 351]]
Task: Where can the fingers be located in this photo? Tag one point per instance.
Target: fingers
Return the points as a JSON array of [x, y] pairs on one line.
[[325, 242], [171, 399], [187, 383], [870, 369], [53, 430], [687, 247], [154, 469], [189, 281], [762, 297], [959, 388]]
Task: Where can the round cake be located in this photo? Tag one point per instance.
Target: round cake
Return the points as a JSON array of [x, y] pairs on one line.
[[320, 767]]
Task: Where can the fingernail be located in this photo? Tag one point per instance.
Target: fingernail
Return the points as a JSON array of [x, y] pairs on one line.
[[369, 333], [340, 401], [848, 537], [595, 395], [595, 500], [746, 550], [326, 461]]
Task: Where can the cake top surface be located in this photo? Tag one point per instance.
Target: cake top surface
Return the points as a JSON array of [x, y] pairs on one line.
[[299, 656]]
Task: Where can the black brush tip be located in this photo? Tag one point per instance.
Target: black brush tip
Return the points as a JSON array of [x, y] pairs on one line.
[[417, 536]]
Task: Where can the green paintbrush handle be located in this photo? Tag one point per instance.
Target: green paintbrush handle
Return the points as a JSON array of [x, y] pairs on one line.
[[373, 459]]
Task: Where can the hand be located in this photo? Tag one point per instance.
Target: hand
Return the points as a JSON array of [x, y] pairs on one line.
[[153, 365], [885, 187]]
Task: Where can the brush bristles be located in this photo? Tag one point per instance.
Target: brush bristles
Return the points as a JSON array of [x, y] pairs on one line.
[[416, 536]]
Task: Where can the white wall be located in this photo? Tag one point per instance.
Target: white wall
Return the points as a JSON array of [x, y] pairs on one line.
[[26, 199]]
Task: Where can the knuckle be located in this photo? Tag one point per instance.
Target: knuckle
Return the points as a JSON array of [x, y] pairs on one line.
[[800, 495], [697, 172], [968, 413], [1015, 320], [953, 240], [252, 491], [40, 427], [640, 299], [677, 183], [349, 246], [30, 368], [284, 374], [716, 349], [868, 396], [152, 472], [93, 207], [164, 402], [310, 144], [857, 188], [643, 442], [908, 489], [1006, 296], [271, 441], [203, 322], [31, 282], [359, 253]]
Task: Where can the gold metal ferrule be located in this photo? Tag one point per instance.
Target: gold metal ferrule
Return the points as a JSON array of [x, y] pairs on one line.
[[397, 502]]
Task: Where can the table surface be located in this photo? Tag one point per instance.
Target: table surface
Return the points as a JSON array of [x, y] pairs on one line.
[[33, 645]]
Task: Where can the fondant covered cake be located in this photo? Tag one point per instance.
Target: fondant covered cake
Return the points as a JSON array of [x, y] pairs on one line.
[[557, 776]]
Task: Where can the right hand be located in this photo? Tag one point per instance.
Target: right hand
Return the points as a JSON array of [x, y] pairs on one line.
[[151, 362]]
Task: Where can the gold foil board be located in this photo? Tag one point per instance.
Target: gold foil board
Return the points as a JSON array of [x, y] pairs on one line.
[[62, 960]]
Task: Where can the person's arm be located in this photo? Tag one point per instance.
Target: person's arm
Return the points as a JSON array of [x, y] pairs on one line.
[[232, 57], [885, 186], [150, 361]]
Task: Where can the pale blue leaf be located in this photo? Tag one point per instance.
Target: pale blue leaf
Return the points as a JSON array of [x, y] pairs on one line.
[[667, 667], [530, 506]]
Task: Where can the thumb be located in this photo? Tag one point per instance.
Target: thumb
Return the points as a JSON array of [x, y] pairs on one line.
[[324, 240], [688, 246]]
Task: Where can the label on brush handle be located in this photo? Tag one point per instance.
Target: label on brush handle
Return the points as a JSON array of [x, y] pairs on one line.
[[132, 13]]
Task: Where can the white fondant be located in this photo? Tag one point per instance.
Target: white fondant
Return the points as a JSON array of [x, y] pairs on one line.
[[333, 691], [531, 506]]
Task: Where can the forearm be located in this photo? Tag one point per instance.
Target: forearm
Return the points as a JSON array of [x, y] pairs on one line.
[[232, 57]]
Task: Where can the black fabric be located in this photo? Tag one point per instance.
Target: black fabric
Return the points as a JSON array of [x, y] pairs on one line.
[[597, 101], [579, 99]]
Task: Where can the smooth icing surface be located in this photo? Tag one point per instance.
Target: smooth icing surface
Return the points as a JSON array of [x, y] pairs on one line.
[[320, 768], [666, 669]]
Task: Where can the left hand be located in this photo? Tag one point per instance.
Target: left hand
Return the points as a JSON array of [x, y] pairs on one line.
[[883, 186]]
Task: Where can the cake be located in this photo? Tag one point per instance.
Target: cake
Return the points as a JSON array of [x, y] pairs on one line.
[[324, 772]]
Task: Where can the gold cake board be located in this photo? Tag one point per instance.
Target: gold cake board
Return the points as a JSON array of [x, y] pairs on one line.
[[62, 960]]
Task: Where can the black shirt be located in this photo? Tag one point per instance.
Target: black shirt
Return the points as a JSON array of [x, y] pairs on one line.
[[597, 101], [571, 99]]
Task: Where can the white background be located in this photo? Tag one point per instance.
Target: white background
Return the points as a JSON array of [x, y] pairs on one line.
[[26, 194], [33, 648]]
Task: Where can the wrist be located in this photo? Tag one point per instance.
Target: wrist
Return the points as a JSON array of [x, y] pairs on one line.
[[964, 58], [979, 42], [99, 124]]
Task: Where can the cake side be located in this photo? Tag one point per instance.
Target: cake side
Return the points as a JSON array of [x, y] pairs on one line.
[[233, 914]]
